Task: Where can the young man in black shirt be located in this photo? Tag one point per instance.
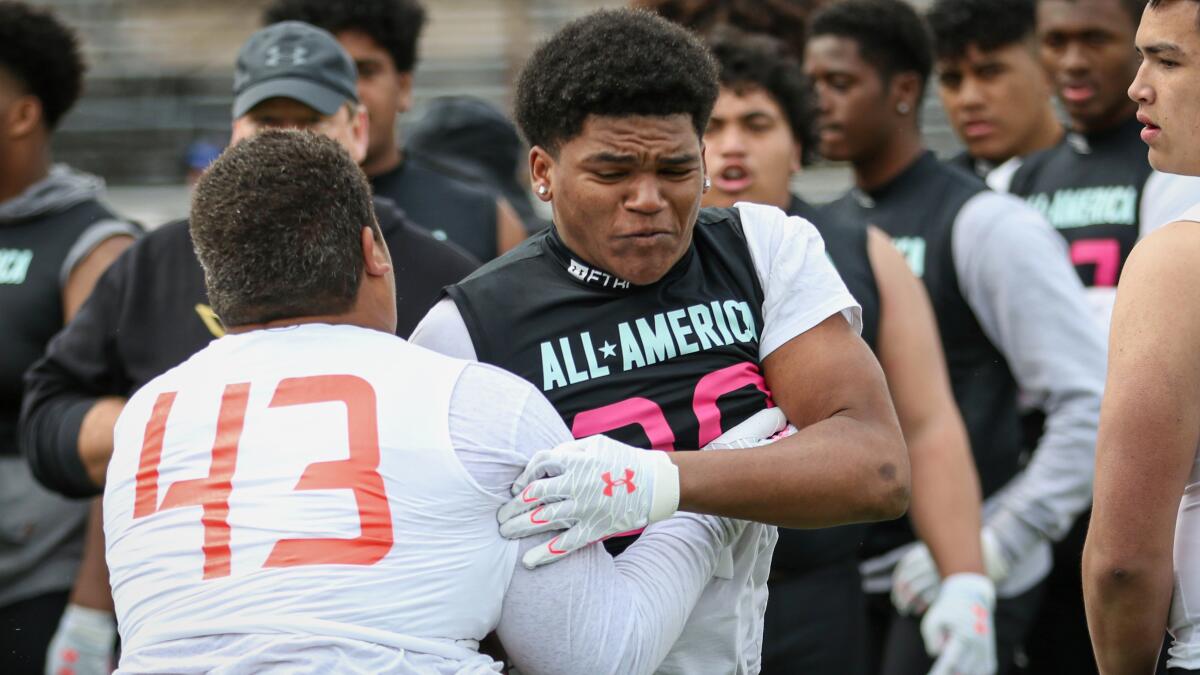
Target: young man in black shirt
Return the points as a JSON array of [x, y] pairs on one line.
[[668, 327], [755, 141], [150, 311], [992, 85], [1011, 314], [56, 238], [381, 36]]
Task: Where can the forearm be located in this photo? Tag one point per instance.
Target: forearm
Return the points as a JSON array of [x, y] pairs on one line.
[[945, 509], [96, 437], [837, 471], [590, 613], [49, 439], [91, 584], [1127, 602]]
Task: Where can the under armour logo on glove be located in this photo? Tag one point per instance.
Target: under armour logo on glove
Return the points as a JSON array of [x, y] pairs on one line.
[[609, 483], [559, 490]]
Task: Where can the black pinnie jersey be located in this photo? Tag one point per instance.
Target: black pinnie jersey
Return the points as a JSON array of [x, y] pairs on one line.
[[918, 209], [32, 254], [846, 244], [1091, 189], [665, 366], [669, 365]]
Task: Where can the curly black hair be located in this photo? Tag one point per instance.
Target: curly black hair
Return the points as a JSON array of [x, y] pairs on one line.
[[890, 34], [786, 20], [987, 24], [748, 61], [613, 62], [43, 56], [395, 25]]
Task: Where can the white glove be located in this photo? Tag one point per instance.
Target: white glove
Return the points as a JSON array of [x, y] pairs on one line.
[[958, 627], [83, 643], [915, 579], [593, 488]]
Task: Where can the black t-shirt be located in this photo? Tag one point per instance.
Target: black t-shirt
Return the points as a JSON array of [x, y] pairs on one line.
[[669, 366], [149, 312], [447, 207], [32, 254], [918, 210]]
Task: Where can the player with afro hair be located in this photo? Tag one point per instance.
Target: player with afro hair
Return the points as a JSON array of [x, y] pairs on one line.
[[43, 58]]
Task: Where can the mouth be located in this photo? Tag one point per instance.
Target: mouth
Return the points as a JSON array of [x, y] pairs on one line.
[[1151, 130], [1077, 92], [978, 129], [733, 179]]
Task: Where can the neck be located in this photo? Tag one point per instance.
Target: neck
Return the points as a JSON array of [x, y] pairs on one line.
[[1047, 134], [332, 319], [386, 160], [22, 165], [1118, 117], [890, 161]]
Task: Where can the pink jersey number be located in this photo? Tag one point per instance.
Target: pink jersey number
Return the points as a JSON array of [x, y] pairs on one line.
[[1105, 254]]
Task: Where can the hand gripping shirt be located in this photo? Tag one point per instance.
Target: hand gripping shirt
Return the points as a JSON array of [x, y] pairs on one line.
[[666, 366]]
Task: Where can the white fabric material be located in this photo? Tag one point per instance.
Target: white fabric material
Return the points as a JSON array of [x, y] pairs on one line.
[[427, 530], [83, 644], [958, 628], [1184, 618], [551, 619], [1000, 178], [800, 285]]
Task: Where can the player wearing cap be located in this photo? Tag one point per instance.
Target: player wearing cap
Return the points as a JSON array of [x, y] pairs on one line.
[[381, 36], [56, 237], [1011, 314], [666, 326], [992, 85], [310, 493], [1141, 561], [756, 138], [150, 311]]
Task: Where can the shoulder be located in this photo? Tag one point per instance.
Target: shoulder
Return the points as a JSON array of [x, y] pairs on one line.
[[514, 261]]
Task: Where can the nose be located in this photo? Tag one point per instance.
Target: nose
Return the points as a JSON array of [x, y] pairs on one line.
[[970, 94], [1075, 60], [731, 142], [1140, 90], [645, 196], [822, 99]]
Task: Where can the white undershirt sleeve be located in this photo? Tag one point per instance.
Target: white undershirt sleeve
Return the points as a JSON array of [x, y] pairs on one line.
[[588, 613], [444, 331], [800, 286]]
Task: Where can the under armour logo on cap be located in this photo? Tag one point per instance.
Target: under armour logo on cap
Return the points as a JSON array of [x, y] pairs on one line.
[[294, 60]]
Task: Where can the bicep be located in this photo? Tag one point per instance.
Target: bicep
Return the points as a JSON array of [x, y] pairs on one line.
[[909, 348], [826, 371], [1150, 417], [84, 276]]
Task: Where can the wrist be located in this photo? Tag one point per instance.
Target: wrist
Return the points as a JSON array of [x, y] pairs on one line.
[[969, 584], [664, 501], [94, 628]]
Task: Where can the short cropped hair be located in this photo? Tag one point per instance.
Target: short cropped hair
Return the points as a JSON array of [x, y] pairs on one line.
[[613, 63], [395, 25], [43, 56], [786, 20], [277, 222], [760, 61], [986, 24], [1156, 3], [1134, 9], [890, 35]]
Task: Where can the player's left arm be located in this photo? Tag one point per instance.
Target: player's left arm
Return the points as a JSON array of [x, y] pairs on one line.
[[1149, 430]]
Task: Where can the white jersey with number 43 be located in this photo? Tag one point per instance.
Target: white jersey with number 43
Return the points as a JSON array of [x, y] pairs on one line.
[[301, 482]]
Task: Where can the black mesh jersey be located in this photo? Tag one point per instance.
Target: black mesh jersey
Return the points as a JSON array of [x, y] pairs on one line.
[[1090, 188], [918, 210], [32, 253], [669, 366]]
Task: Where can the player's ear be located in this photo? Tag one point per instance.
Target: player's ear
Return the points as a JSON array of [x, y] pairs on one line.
[[541, 163], [377, 260]]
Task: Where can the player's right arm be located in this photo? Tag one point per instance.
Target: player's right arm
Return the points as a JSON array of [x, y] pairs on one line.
[[68, 408], [1149, 430]]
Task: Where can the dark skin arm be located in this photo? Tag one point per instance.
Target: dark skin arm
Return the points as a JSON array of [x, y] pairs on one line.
[[1149, 431], [847, 463], [945, 508], [509, 229]]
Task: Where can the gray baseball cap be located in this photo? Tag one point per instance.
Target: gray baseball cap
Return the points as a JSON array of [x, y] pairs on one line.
[[292, 59]]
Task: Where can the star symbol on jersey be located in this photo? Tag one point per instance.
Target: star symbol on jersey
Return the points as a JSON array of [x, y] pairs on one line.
[[609, 351]]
